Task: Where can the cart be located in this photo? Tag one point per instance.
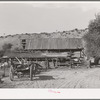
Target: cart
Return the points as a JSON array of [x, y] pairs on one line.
[[19, 68]]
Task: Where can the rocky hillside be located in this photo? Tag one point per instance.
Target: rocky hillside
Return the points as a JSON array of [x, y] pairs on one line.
[[15, 39]]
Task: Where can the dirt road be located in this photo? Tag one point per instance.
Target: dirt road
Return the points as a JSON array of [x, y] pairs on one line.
[[58, 78]]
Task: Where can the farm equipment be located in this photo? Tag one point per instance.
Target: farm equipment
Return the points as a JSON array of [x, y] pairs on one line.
[[76, 61], [21, 68], [94, 61], [73, 60]]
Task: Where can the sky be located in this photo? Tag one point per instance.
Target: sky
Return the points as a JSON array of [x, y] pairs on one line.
[[37, 17]]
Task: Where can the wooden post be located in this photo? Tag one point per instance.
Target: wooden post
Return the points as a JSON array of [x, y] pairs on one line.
[[52, 61], [70, 59], [56, 63], [80, 54], [46, 64], [31, 72], [4, 71]]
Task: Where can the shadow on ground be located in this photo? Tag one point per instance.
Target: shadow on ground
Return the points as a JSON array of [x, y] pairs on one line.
[[44, 77]]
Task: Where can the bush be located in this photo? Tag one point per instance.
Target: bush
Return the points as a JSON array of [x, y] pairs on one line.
[[7, 46]]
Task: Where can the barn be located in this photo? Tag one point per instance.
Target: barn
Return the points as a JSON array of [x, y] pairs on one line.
[[49, 50]]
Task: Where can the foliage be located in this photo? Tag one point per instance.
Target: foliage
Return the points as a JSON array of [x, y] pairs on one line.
[[1, 53], [7, 46], [92, 37], [17, 49]]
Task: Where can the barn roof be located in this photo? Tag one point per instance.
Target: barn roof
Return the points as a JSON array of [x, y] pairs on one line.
[[54, 43]]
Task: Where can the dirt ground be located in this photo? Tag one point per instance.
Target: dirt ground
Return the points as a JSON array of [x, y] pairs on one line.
[[58, 78]]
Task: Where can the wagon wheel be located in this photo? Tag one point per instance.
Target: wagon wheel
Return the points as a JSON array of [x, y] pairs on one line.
[[31, 72], [11, 73]]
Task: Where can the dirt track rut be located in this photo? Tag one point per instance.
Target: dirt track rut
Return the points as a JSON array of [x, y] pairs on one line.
[[58, 78]]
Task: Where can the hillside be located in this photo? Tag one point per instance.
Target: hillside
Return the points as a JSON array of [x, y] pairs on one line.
[[15, 39]]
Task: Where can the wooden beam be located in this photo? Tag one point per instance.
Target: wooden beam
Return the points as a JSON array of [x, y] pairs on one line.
[[56, 63], [46, 63], [70, 58], [80, 54], [52, 62]]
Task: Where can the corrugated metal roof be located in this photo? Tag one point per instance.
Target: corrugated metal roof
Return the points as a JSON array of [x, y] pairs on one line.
[[54, 43]]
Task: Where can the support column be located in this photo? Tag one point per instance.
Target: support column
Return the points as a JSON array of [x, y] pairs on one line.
[[80, 54], [54, 62], [46, 63], [4, 70], [70, 59], [56, 65]]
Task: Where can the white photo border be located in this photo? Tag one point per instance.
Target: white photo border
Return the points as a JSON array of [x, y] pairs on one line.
[[50, 93]]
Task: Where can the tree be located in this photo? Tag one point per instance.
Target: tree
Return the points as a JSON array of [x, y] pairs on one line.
[[92, 38], [1, 53], [7, 46]]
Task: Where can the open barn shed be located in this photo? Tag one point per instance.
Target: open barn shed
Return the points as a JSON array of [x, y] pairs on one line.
[[49, 50]]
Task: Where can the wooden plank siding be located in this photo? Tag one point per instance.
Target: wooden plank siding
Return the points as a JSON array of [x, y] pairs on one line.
[[54, 43]]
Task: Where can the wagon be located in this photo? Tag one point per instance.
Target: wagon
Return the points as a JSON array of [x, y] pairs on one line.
[[23, 63], [19, 68]]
